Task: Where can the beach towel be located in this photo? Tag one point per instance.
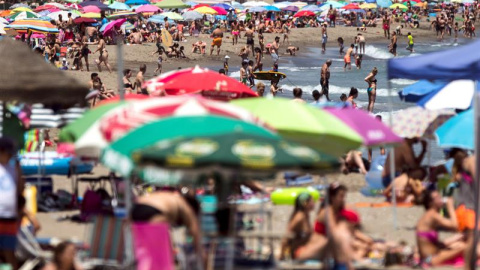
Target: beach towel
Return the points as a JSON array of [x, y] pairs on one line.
[[153, 249]]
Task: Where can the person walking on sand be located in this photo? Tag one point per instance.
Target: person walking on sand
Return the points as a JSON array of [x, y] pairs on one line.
[[103, 58], [324, 37], [372, 88], [410, 42], [348, 58], [392, 48], [324, 77], [217, 36], [274, 50], [235, 32], [386, 26]]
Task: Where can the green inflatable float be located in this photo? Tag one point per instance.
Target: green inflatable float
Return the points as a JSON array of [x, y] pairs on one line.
[[287, 196]]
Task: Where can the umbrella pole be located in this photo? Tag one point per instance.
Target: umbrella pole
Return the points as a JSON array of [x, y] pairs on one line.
[[473, 259], [392, 157], [121, 89]]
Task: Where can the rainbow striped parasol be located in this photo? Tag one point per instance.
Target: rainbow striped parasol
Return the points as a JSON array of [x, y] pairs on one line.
[[30, 25], [122, 14]]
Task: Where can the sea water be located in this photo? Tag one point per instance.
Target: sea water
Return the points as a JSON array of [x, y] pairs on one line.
[[303, 71]]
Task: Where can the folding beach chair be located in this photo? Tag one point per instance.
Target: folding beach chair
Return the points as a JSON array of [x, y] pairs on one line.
[[107, 243], [152, 246], [28, 250]]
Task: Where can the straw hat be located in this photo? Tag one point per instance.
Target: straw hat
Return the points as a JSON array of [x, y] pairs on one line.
[[26, 77]]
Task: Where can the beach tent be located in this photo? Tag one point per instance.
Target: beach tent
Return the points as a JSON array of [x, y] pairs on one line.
[[171, 4], [453, 64]]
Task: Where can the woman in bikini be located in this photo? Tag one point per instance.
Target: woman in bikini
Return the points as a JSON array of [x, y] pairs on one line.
[[299, 226], [434, 252], [372, 88], [127, 85], [103, 58]]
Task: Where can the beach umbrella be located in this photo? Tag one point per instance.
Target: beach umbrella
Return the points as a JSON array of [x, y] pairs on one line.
[[351, 6], [373, 131], [200, 5], [54, 15], [458, 132], [45, 7], [136, 2], [299, 4], [368, 6], [190, 3], [256, 9], [224, 6], [334, 4], [400, 6], [127, 27], [58, 5], [160, 19], [192, 16], [91, 15], [32, 25], [237, 5], [3, 20], [449, 96], [384, 3], [21, 9], [282, 5], [412, 3], [304, 13], [418, 122], [116, 24], [5, 13], [23, 15], [272, 8], [206, 10], [2, 30], [290, 8], [91, 9], [117, 155], [74, 1], [312, 8], [304, 124], [237, 150], [219, 10], [35, 81], [356, 1], [74, 7], [121, 121], [84, 20], [171, 4], [122, 14], [255, 4], [19, 5], [119, 6], [170, 15], [420, 5], [199, 80], [147, 9], [98, 4]]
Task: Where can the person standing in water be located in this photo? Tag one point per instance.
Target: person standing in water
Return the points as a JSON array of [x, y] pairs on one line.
[[410, 42], [372, 88], [348, 58], [393, 44], [324, 77]]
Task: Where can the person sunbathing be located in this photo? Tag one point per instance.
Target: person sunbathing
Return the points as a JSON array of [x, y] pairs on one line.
[[354, 162], [433, 251], [407, 188]]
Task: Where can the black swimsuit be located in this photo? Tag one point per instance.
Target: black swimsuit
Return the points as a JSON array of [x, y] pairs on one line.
[[143, 212]]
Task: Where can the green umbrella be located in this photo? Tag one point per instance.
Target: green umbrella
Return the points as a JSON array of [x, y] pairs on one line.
[[171, 4], [117, 156], [233, 150], [85, 132], [304, 124]]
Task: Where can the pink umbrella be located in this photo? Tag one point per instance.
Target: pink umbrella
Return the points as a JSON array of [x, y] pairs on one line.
[[75, 6], [92, 9], [34, 35], [373, 131], [112, 25], [220, 10], [147, 9]]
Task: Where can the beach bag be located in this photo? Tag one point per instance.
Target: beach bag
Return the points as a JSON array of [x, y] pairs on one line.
[[95, 203]]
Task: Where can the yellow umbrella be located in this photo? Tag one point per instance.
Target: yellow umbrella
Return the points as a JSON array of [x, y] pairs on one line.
[[20, 9], [400, 6], [91, 15], [206, 10], [368, 6]]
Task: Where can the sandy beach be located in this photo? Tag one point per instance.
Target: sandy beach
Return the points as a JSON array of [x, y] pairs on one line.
[[377, 222]]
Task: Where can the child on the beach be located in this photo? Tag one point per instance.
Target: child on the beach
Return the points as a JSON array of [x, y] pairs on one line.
[[159, 60], [340, 44], [243, 72], [225, 64], [358, 61], [251, 76], [410, 42], [455, 30], [275, 67], [399, 30]]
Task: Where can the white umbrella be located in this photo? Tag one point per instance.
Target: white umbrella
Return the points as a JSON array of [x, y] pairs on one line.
[[192, 15], [3, 20], [255, 4], [54, 15], [2, 31], [281, 5]]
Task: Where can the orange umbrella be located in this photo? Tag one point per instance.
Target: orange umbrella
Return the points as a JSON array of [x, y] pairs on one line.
[[5, 13]]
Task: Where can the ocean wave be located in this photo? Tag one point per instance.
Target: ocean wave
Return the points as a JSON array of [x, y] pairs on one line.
[[235, 74], [377, 53], [403, 81], [333, 89]]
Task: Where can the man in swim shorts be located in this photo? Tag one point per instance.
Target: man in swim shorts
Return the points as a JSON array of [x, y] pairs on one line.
[[324, 77], [217, 36], [324, 37], [348, 57], [235, 32], [274, 50], [393, 44]]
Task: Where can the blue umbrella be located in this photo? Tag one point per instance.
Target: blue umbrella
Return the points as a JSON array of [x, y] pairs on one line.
[[418, 90], [159, 19], [224, 6], [334, 4], [271, 8], [312, 8], [455, 95], [458, 132], [136, 2], [384, 3], [256, 9], [119, 6]]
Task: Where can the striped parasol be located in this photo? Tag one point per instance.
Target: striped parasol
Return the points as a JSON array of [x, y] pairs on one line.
[[23, 15], [127, 27], [122, 14], [90, 15], [31, 25]]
